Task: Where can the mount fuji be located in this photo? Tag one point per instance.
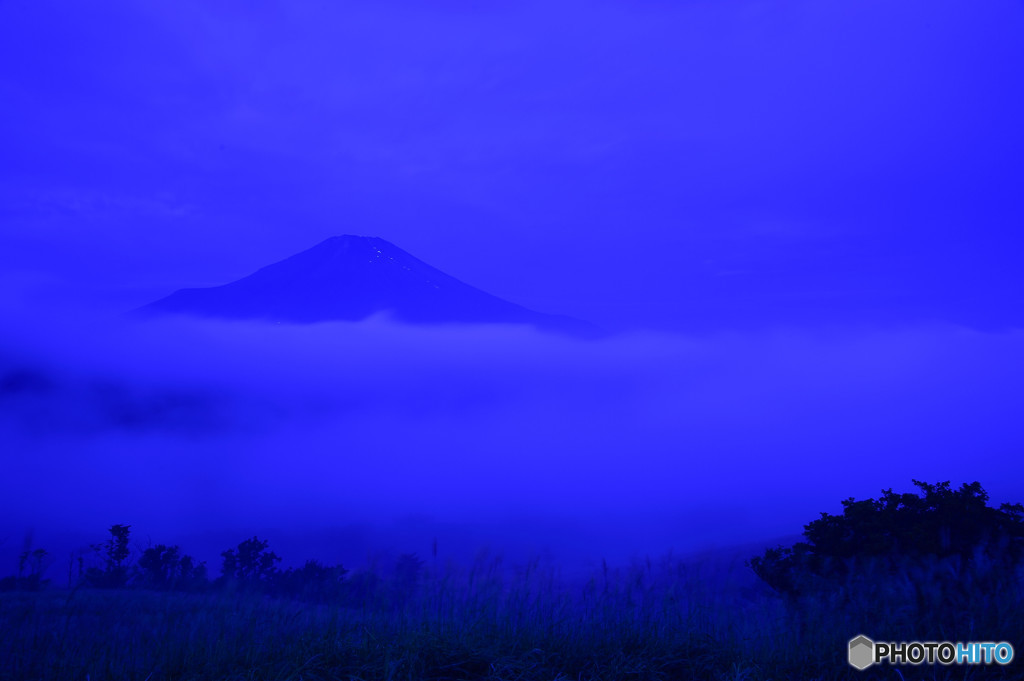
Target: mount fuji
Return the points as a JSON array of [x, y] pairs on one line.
[[349, 278]]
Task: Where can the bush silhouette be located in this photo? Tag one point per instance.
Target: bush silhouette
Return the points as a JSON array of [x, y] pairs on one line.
[[312, 582], [30, 572], [165, 567], [249, 563], [895, 530]]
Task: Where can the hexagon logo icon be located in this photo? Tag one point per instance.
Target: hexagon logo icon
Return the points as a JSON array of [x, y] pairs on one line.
[[862, 652]]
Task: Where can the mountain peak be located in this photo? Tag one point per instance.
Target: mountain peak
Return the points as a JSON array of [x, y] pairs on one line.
[[350, 277], [347, 241]]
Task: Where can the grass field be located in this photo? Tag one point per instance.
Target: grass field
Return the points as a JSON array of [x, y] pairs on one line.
[[653, 620]]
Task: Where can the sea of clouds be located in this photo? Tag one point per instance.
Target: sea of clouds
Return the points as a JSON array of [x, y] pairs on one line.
[[337, 440]]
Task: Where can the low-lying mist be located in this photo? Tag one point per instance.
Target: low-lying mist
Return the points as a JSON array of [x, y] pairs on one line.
[[334, 441]]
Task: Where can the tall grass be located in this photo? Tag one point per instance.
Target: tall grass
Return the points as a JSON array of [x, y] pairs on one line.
[[661, 619]]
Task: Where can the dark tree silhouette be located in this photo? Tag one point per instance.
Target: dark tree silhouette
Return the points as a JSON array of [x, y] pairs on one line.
[[30, 572], [312, 582], [115, 561], [897, 528], [249, 563], [165, 567]]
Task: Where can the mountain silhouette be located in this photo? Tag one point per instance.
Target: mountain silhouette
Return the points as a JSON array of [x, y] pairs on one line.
[[349, 278]]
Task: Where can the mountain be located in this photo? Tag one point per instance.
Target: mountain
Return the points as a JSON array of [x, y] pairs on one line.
[[350, 278]]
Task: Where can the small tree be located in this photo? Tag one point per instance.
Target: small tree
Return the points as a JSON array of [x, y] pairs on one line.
[[30, 569], [165, 567], [249, 563], [30, 572], [115, 562]]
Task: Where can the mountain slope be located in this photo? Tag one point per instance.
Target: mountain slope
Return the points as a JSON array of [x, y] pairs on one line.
[[350, 278]]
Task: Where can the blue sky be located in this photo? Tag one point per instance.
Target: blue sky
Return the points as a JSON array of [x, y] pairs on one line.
[[805, 218]]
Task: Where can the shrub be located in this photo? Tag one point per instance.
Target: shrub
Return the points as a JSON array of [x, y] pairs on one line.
[[165, 567], [897, 530], [249, 563], [30, 572], [312, 582]]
